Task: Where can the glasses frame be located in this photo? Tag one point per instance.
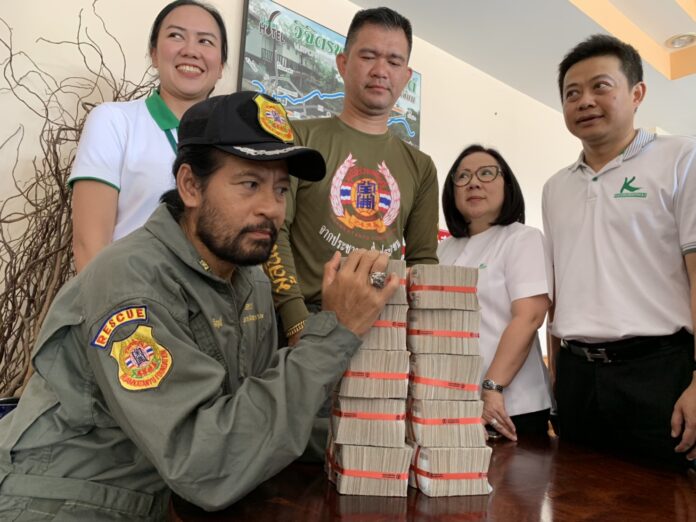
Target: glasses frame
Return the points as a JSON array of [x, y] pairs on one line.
[[498, 172]]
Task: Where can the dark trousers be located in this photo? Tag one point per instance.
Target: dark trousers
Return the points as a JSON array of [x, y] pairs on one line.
[[534, 423], [625, 407]]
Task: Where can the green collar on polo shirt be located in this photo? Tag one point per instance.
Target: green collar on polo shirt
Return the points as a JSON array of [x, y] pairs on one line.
[[163, 116]]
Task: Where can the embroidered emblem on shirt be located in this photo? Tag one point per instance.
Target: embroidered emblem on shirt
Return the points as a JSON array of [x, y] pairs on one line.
[[273, 119], [119, 318], [253, 317], [482, 266], [217, 323], [365, 199], [280, 279], [142, 362], [629, 191]]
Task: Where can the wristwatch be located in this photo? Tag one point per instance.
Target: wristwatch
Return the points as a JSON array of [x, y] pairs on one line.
[[491, 385]]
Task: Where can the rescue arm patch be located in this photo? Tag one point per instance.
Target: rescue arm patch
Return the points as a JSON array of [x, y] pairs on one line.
[[119, 318], [142, 362]]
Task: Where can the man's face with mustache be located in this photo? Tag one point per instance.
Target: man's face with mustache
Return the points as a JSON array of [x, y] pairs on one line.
[[251, 246], [241, 209]]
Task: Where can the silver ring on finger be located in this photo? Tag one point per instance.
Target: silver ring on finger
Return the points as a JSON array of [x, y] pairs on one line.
[[378, 279], [494, 422]]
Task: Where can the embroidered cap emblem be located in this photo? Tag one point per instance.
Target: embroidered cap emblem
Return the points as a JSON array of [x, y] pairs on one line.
[[273, 119], [142, 362]]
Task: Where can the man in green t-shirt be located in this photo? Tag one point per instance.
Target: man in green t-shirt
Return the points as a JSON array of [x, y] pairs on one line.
[[379, 193]]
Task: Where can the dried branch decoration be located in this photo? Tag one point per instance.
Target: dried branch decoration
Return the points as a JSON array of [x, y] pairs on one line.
[[35, 225]]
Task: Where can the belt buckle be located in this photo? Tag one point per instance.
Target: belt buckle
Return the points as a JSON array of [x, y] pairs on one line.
[[600, 354]]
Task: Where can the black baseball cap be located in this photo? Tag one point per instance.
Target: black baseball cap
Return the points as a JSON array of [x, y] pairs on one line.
[[250, 125]]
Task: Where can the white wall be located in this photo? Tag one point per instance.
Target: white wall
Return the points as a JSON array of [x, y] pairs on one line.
[[460, 104]]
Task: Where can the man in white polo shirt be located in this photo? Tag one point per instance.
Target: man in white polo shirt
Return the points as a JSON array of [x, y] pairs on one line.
[[621, 228]]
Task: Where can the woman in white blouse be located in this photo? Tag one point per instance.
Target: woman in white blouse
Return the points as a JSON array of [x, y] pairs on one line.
[[484, 211], [124, 159]]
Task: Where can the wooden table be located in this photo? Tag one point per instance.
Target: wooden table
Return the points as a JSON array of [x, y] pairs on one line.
[[534, 480]]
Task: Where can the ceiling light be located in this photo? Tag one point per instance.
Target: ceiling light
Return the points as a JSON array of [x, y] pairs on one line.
[[681, 40]]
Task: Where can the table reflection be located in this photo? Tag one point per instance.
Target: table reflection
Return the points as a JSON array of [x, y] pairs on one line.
[[533, 480]]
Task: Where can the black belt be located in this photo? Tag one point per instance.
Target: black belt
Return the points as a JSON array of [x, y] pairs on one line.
[[625, 349]]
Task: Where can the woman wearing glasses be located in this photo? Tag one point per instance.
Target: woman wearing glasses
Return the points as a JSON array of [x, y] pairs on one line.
[[484, 210]]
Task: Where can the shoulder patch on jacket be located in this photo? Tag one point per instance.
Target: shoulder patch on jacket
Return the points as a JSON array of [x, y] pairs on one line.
[[142, 361], [119, 318]]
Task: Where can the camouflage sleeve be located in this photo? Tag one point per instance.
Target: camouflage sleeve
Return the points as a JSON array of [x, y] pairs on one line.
[[169, 395]]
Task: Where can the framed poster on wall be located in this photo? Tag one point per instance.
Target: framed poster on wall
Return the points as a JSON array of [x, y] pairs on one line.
[[293, 59]]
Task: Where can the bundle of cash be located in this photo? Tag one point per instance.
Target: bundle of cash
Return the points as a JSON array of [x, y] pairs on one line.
[[443, 287], [443, 331], [436, 424], [389, 331], [365, 470], [377, 374], [398, 267], [445, 377], [369, 422], [444, 472]]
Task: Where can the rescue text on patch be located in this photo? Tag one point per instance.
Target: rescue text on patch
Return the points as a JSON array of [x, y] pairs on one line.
[[127, 315]]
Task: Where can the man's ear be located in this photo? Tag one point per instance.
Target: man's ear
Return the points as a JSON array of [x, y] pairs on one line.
[[188, 186], [341, 59], [638, 94]]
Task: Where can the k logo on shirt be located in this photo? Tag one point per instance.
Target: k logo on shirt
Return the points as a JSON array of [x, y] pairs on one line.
[[629, 191]]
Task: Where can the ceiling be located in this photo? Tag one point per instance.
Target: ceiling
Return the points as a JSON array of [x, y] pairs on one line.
[[521, 42]]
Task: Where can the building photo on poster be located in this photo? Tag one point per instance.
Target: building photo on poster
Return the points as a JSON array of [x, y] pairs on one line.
[[293, 59]]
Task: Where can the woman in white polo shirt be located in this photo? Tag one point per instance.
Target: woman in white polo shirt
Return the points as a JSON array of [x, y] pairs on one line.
[[484, 211], [124, 160]]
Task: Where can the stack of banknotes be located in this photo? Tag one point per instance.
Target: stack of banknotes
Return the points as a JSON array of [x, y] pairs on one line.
[[367, 452], [450, 455], [408, 408]]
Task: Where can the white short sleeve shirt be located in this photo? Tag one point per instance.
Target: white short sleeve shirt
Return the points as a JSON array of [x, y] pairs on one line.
[[512, 265], [122, 145], [617, 238]]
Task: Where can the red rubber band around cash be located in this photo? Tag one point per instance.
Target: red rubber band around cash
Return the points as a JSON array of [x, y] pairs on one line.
[[443, 288], [375, 375], [450, 476], [443, 333], [369, 415], [370, 474], [432, 422], [388, 324], [444, 384]]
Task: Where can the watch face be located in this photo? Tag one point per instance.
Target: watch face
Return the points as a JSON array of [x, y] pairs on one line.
[[490, 385]]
